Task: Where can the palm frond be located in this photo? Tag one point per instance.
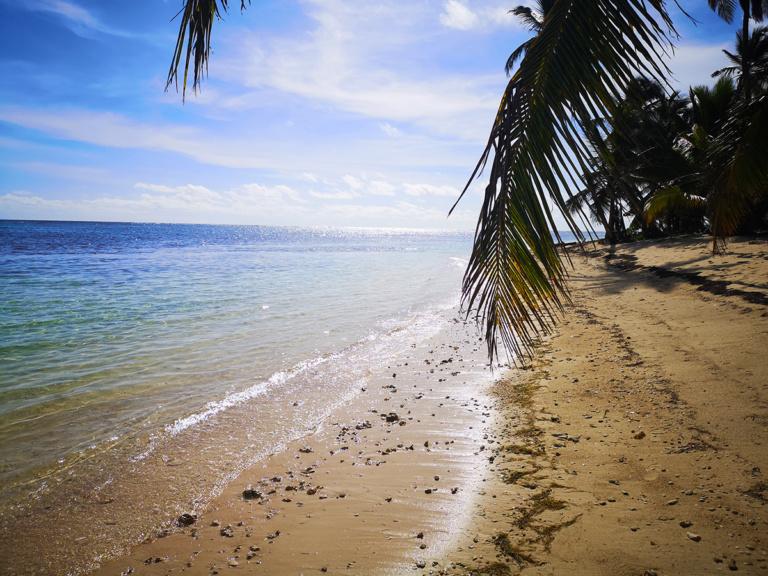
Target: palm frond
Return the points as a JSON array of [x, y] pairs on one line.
[[584, 57], [529, 17], [197, 17], [725, 9], [739, 172], [516, 55], [669, 198]]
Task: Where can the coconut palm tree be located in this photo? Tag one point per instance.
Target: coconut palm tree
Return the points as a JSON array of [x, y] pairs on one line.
[[584, 57], [635, 154], [533, 19], [756, 9], [755, 51], [683, 199]]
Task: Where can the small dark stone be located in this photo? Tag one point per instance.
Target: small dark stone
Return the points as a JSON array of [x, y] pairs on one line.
[[187, 519]]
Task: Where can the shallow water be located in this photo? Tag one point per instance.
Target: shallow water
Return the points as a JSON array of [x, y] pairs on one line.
[[114, 335]]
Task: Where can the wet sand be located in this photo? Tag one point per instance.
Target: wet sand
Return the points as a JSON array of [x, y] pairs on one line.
[[635, 443], [384, 486]]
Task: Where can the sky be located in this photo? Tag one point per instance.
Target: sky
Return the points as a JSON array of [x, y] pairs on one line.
[[315, 112]]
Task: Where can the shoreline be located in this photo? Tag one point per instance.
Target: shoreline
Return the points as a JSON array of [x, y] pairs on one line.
[[385, 483]]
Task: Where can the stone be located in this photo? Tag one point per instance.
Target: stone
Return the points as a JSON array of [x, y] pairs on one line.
[[187, 519], [692, 536]]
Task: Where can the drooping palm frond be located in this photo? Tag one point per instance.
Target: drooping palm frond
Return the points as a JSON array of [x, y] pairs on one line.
[[197, 18], [585, 56], [725, 9], [670, 198], [738, 171]]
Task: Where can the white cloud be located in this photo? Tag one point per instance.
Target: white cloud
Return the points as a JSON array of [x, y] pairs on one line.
[[693, 64], [341, 195], [370, 62], [252, 203], [389, 130], [63, 171], [116, 131], [381, 188], [351, 181], [66, 9], [430, 190], [458, 16]]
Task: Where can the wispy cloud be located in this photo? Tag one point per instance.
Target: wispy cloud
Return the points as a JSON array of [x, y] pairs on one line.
[[693, 63], [65, 171], [76, 17], [372, 62], [430, 190], [390, 130]]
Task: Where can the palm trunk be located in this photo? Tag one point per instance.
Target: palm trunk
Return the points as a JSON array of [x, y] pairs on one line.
[[746, 81]]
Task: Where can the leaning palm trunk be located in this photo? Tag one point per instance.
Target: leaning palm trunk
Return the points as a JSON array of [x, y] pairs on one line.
[[584, 57]]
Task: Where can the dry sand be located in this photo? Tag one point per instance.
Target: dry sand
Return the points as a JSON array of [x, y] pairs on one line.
[[644, 447], [635, 443]]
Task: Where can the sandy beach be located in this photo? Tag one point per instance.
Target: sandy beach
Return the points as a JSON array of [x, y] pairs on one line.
[[636, 442], [633, 444]]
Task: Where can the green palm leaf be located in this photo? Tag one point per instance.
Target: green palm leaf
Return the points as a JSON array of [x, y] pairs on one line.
[[584, 57]]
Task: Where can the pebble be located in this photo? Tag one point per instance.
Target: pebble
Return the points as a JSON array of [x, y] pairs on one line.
[[692, 536], [187, 519], [673, 502]]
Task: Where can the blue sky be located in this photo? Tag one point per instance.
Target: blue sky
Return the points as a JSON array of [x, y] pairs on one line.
[[316, 112]]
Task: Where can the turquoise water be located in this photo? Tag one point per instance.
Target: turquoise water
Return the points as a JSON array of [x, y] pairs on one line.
[[115, 335]]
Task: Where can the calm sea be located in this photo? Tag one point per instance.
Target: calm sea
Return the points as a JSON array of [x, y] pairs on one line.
[[116, 335]]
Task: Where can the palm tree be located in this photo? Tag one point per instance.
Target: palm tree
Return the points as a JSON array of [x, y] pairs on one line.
[[584, 57], [635, 153], [757, 9], [754, 51], [533, 18], [683, 199]]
